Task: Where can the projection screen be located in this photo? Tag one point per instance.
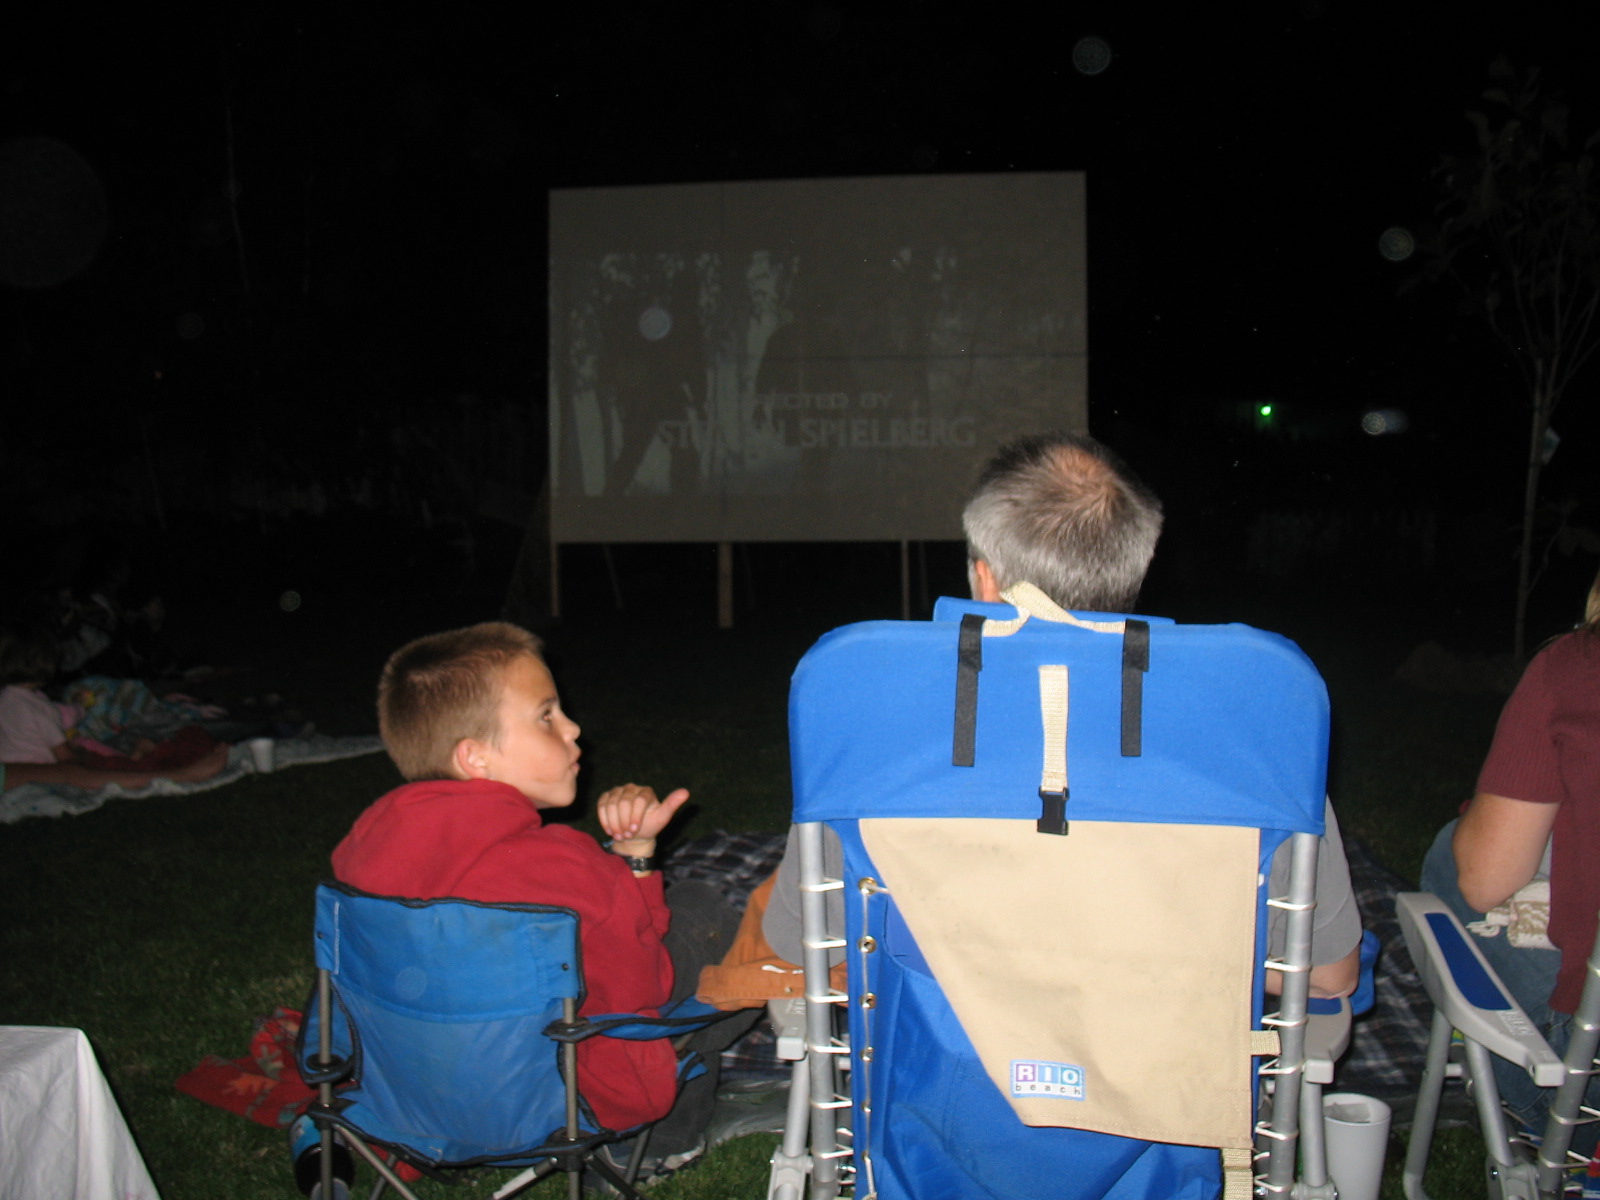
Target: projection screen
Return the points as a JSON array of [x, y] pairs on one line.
[[818, 360]]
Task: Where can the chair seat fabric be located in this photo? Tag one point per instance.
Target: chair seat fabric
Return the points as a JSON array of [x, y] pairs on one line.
[[425, 994]]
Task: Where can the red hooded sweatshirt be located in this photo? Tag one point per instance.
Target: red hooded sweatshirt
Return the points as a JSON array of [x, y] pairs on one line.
[[480, 840]]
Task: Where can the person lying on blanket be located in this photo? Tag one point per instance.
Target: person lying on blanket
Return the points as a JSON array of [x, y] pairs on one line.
[[34, 729], [1063, 512]]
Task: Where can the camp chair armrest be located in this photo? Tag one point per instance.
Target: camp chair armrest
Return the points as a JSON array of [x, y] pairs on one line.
[[686, 1017], [1466, 989], [1328, 1019], [788, 1017], [1327, 1037], [336, 1071]]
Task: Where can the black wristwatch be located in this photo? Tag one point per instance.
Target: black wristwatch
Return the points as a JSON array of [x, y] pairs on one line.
[[639, 866]]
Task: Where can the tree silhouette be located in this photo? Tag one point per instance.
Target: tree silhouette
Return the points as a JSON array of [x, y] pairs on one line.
[[1518, 236]]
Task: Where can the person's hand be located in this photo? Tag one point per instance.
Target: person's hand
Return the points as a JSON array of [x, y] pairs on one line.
[[633, 817]]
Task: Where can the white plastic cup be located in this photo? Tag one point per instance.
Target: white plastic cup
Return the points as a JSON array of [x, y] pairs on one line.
[[261, 753], [1357, 1133]]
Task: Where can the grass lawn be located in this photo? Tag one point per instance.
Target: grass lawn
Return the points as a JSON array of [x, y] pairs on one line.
[[165, 927]]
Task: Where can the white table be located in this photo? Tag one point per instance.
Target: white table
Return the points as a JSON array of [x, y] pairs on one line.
[[62, 1136]]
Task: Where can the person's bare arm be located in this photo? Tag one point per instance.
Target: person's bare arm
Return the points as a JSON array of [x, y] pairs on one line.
[[1337, 978], [1498, 844], [75, 774], [71, 752], [1329, 979]]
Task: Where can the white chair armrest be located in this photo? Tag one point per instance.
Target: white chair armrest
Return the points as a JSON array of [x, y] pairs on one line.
[[1327, 1037], [788, 1016], [1465, 988]]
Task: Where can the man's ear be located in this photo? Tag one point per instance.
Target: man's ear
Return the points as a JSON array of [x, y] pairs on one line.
[[468, 760], [984, 587]]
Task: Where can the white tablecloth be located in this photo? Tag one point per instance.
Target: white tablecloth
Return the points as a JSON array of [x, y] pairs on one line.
[[62, 1136]]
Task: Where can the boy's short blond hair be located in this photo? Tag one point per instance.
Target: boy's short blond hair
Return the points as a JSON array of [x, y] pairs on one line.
[[442, 688]]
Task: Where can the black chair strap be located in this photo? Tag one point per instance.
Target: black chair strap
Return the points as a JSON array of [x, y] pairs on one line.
[[969, 661], [1135, 663]]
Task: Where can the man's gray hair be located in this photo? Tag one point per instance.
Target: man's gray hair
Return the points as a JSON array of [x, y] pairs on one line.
[[1064, 513]]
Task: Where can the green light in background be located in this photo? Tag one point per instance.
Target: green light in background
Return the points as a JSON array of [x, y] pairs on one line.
[[1265, 410]]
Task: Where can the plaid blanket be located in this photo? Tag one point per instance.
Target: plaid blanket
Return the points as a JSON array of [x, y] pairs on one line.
[[1387, 1045], [733, 863]]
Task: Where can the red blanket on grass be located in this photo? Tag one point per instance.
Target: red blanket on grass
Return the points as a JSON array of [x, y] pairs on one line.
[[265, 1084]]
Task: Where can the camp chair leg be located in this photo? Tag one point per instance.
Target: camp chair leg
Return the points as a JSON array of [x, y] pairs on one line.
[[611, 1175], [1568, 1110], [790, 1160], [385, 1171], [1314, 1183], [1508, 1174], [524, 1180], [1426, 1117]]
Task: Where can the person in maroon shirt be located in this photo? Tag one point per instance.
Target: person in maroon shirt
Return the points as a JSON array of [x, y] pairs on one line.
[[472, 718], [1537, 795]]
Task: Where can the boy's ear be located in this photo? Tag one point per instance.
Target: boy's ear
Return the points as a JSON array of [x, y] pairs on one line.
[[468, 761]]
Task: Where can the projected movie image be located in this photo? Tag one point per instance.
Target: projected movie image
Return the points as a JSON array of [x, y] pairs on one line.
[[805, 361]]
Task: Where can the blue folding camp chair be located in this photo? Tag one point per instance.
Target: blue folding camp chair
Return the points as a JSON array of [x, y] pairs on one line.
[[1470, 1000], [1056, 831], [445, 1032]]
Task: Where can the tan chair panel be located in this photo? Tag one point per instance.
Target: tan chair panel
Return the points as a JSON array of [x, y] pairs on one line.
[[1124, 951]]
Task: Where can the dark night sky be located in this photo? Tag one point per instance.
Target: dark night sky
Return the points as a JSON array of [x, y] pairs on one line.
[[392, 176]]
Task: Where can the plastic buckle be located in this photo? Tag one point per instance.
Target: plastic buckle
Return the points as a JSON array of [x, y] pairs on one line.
[[1053, 818]]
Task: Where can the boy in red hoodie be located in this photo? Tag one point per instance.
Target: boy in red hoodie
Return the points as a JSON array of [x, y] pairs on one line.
[[472, 718]]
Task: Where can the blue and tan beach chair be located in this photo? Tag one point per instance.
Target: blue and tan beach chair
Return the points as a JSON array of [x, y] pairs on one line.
[[1056, 831]]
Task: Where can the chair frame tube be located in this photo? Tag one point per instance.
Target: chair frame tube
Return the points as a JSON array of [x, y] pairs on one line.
[[1567, 1109], [822, 1046], [1282, 1132]]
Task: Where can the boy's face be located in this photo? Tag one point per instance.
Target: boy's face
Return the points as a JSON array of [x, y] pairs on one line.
[[537, 751]]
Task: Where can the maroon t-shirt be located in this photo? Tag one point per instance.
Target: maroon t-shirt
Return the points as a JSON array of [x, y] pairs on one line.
[[1547, 750], [480, 840]]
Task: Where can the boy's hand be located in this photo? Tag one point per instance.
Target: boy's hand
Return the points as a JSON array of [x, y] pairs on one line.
[[632, 816]]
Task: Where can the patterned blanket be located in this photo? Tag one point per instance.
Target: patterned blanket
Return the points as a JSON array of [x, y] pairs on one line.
[[1387, 1045], [734, 863]]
